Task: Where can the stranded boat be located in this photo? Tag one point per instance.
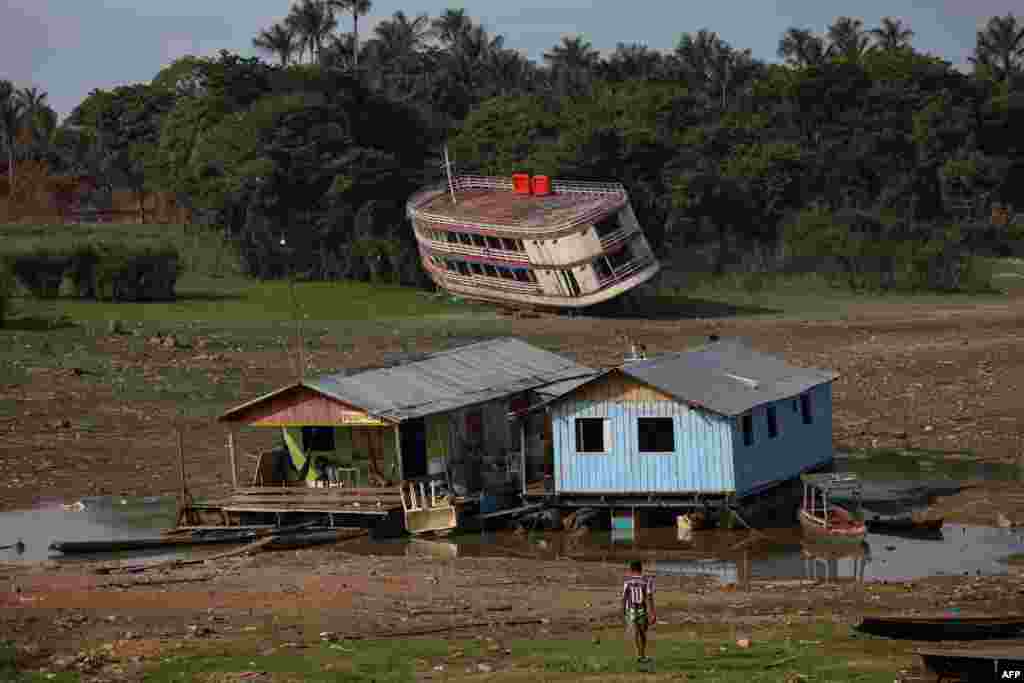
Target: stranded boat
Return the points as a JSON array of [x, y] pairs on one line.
[[821, 518], [531, 242]]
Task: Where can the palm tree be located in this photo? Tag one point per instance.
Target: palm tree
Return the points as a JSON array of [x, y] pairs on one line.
[[848, 39], [891, 34], [278, 40], [11, 113], [451, 26], [358, 8], [800, 47], [1000, 47], [573, 63], [312, 21], [38, 120], [399, 37], [632, 61]]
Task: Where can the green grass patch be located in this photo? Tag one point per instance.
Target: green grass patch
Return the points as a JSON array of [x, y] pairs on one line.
[[924, 463], [1014, 559], [819, 652]]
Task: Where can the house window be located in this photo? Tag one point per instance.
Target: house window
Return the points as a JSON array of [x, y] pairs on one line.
[[805, 408], [590, 435], [656, 434], [773, 423], [318, 438], [747, 425]]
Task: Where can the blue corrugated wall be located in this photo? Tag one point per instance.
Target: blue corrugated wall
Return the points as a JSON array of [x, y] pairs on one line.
[[797, 447], [702, 461]]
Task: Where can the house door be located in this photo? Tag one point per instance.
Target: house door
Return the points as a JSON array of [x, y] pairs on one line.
[[413, 434]]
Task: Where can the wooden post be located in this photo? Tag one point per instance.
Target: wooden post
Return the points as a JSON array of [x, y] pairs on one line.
[[398, 451], [181, 461], [231, 454], [522, 452]]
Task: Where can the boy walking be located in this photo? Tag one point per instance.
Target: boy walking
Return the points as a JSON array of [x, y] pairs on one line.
[[637, 604]]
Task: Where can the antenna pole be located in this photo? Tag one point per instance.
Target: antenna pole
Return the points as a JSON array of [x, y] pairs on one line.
[[448, 171]]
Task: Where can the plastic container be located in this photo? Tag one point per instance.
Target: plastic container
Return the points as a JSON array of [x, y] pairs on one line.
[[521, 183], [541, 185]]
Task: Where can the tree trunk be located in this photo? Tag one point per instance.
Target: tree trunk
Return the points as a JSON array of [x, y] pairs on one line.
[[355, 40], [10, 167]]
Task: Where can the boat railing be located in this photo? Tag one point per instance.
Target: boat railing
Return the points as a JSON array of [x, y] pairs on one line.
[[481, 252], [627, 270], [613, 238], [485, 282]]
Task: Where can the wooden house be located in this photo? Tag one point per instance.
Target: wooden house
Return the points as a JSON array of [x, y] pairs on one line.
[[715, 424], [444, 427]]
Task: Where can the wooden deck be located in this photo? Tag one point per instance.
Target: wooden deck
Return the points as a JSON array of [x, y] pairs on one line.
[[379, 502]]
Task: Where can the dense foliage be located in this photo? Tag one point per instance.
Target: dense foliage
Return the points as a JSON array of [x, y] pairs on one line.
[[858, 155]]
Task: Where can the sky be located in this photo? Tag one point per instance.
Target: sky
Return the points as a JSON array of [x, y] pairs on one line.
[[69, 47]]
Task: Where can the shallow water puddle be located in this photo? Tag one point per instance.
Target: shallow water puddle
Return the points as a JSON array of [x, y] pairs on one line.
[[101, 519], [732, 557]]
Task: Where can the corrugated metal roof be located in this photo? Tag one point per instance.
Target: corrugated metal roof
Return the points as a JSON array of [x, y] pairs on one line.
[[455, 378], [726, 376]]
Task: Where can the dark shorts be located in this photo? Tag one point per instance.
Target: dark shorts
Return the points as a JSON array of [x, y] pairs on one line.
[[636, 618]]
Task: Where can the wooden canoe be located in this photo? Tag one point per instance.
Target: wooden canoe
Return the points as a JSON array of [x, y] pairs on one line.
[[841, 526], [83, 547], [306, 539], [943, 627], [905, 525]]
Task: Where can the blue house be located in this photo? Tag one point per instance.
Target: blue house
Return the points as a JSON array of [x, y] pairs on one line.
[[718, 422]]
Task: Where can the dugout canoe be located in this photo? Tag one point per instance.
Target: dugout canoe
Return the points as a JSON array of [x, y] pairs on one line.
[[949, 627]]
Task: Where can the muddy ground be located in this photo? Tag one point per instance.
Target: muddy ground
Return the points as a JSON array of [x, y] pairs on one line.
[[62, 617], [940, 377], [924, 376]]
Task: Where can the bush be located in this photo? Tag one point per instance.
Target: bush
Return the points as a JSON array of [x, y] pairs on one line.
[[6, 290], [101, 269], [40, 271]]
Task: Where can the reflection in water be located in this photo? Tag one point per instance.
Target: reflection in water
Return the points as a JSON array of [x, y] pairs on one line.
[[736, 557], [96, 519]]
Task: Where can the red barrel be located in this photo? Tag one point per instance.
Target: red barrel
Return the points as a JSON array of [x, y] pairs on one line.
[[541, 185], [521, 183]]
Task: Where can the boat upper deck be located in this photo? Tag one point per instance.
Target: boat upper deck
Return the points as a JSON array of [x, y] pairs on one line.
[[490, 202]]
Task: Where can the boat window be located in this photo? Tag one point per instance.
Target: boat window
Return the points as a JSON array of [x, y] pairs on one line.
[[478, 241], [494, 243], [590, 434], [747, 425], [463, 268], [602, 268], [805, 408], [621, 257], [606, 225], [510, 245], [466, 238], [477, 268], [451, 265], [490, 270], [656, 434], [773, 422], [453, 237], [522, 275], [571, 285], [506, 273], [795, 404]]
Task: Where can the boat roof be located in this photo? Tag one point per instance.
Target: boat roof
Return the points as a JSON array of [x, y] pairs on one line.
[[833, 481], [493, 202]]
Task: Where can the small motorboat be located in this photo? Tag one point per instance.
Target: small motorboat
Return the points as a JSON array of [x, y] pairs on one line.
[[946, 627], [821, 518]]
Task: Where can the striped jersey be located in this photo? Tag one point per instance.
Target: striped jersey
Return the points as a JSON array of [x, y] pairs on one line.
[[635, 592]]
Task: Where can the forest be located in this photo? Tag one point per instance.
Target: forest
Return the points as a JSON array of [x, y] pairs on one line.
[[857, 155]]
